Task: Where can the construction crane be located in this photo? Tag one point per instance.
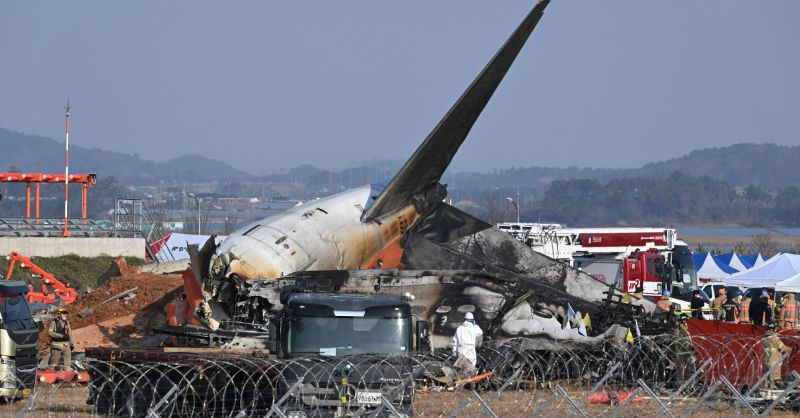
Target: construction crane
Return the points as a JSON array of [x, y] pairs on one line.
[[59, 291]]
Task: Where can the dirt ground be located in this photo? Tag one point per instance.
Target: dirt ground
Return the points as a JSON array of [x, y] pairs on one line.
[[125, 323], [70, 400]]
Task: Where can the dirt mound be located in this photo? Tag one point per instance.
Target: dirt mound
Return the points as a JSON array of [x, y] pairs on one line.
[[140, 313]]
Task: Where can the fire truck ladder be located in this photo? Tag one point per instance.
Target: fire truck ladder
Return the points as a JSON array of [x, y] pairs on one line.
[[132, 219]]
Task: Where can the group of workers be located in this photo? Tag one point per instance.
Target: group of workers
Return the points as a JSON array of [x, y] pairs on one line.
[[731, 308]]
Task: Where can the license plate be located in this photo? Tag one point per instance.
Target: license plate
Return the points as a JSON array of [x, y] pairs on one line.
[[26, 392], [368, 398]]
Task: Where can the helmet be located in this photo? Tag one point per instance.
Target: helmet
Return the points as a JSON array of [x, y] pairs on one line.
[[62, 310], [666, 293], [468, 316]]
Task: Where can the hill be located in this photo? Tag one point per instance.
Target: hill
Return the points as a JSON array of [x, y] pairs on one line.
[[769, 166], [33, 153]]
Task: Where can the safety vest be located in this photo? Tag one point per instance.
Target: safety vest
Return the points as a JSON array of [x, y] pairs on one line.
[[744, 312], [789, 312], [664, 303]]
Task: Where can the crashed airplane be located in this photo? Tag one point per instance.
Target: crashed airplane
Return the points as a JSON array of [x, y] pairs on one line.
[[405, 224]]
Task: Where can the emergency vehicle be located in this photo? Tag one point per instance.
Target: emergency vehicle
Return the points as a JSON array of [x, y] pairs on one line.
[[649, 260]]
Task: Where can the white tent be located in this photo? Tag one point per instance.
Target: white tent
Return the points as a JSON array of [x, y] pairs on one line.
[[712, 268], [735, 261], [783, 267]]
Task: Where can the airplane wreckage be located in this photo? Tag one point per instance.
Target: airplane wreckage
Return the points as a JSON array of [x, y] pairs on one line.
[[400, 237]]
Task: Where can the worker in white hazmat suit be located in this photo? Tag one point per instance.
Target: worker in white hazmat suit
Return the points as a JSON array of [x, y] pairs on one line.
[[467, 336]]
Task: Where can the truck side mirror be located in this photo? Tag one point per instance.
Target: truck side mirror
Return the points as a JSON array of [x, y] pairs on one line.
[[422, 340]]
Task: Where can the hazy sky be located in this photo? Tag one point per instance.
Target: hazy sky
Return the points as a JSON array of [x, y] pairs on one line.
[[265, 85]]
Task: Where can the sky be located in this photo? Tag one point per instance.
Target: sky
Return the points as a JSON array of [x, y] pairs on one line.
[[269, 85]]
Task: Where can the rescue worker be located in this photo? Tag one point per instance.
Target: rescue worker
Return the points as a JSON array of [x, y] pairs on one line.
[[467, 336], [60, 340], [744, 310], [759, 310], [772, 349], [788, 313], [772, 306], [682, 348], [716, 304], [663, 302], [730, 310], [697, 304]]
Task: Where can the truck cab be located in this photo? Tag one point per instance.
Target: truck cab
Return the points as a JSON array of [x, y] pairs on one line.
[[19, 341], [350, 354]]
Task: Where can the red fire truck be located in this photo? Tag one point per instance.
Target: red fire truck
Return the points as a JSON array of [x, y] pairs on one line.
[[648, 259]]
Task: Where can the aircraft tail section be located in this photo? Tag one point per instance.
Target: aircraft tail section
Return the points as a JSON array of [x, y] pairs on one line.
[[425, 167]]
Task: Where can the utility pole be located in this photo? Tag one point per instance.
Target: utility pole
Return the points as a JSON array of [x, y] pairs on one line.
[[66, 175]]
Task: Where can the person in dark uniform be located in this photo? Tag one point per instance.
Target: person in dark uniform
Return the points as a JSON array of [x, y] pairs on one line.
[[760, 312], [697, 305], [730, 309]]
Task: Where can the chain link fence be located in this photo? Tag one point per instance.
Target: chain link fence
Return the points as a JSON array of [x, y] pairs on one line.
[[655, 376]]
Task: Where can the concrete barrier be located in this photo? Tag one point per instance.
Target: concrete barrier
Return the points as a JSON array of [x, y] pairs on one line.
[[83, 247]]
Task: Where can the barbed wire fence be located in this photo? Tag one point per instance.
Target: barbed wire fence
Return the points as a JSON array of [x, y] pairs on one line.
[[656, 376]]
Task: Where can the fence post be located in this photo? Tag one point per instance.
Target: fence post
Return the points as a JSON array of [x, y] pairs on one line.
[[688, 381], [653, 395], [597, 385], [702, 399], [391, 407], [732, 388], [564, 395], [156, 409], [457, 412], [631, 398], [276, 407], [543, 406], [500, 390]]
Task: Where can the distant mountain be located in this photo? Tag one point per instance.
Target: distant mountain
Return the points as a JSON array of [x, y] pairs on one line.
[[766, 165], [32, 153], [769, 166]]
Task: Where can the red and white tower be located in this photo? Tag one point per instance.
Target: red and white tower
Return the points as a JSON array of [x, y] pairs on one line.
[[66, 176]]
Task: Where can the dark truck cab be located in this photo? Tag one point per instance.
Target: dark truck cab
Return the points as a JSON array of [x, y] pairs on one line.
[[349, 354], [19, 341]]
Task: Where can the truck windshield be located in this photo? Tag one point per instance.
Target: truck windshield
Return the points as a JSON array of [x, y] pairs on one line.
[[338, 336], [14, 307]]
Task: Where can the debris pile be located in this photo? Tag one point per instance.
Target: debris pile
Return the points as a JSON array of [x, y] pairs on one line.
[[121, 311]]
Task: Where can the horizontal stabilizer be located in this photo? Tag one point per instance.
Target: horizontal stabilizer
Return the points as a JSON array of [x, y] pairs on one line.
[[424, 169]]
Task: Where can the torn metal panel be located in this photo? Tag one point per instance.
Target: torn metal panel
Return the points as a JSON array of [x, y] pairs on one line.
[[504, 306]]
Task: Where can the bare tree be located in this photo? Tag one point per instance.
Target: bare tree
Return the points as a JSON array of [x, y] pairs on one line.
[[764, 244], [741, 248], [229, 225]]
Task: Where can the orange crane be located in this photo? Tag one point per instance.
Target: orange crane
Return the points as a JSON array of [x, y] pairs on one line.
[[86, 181], [60, 291]]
